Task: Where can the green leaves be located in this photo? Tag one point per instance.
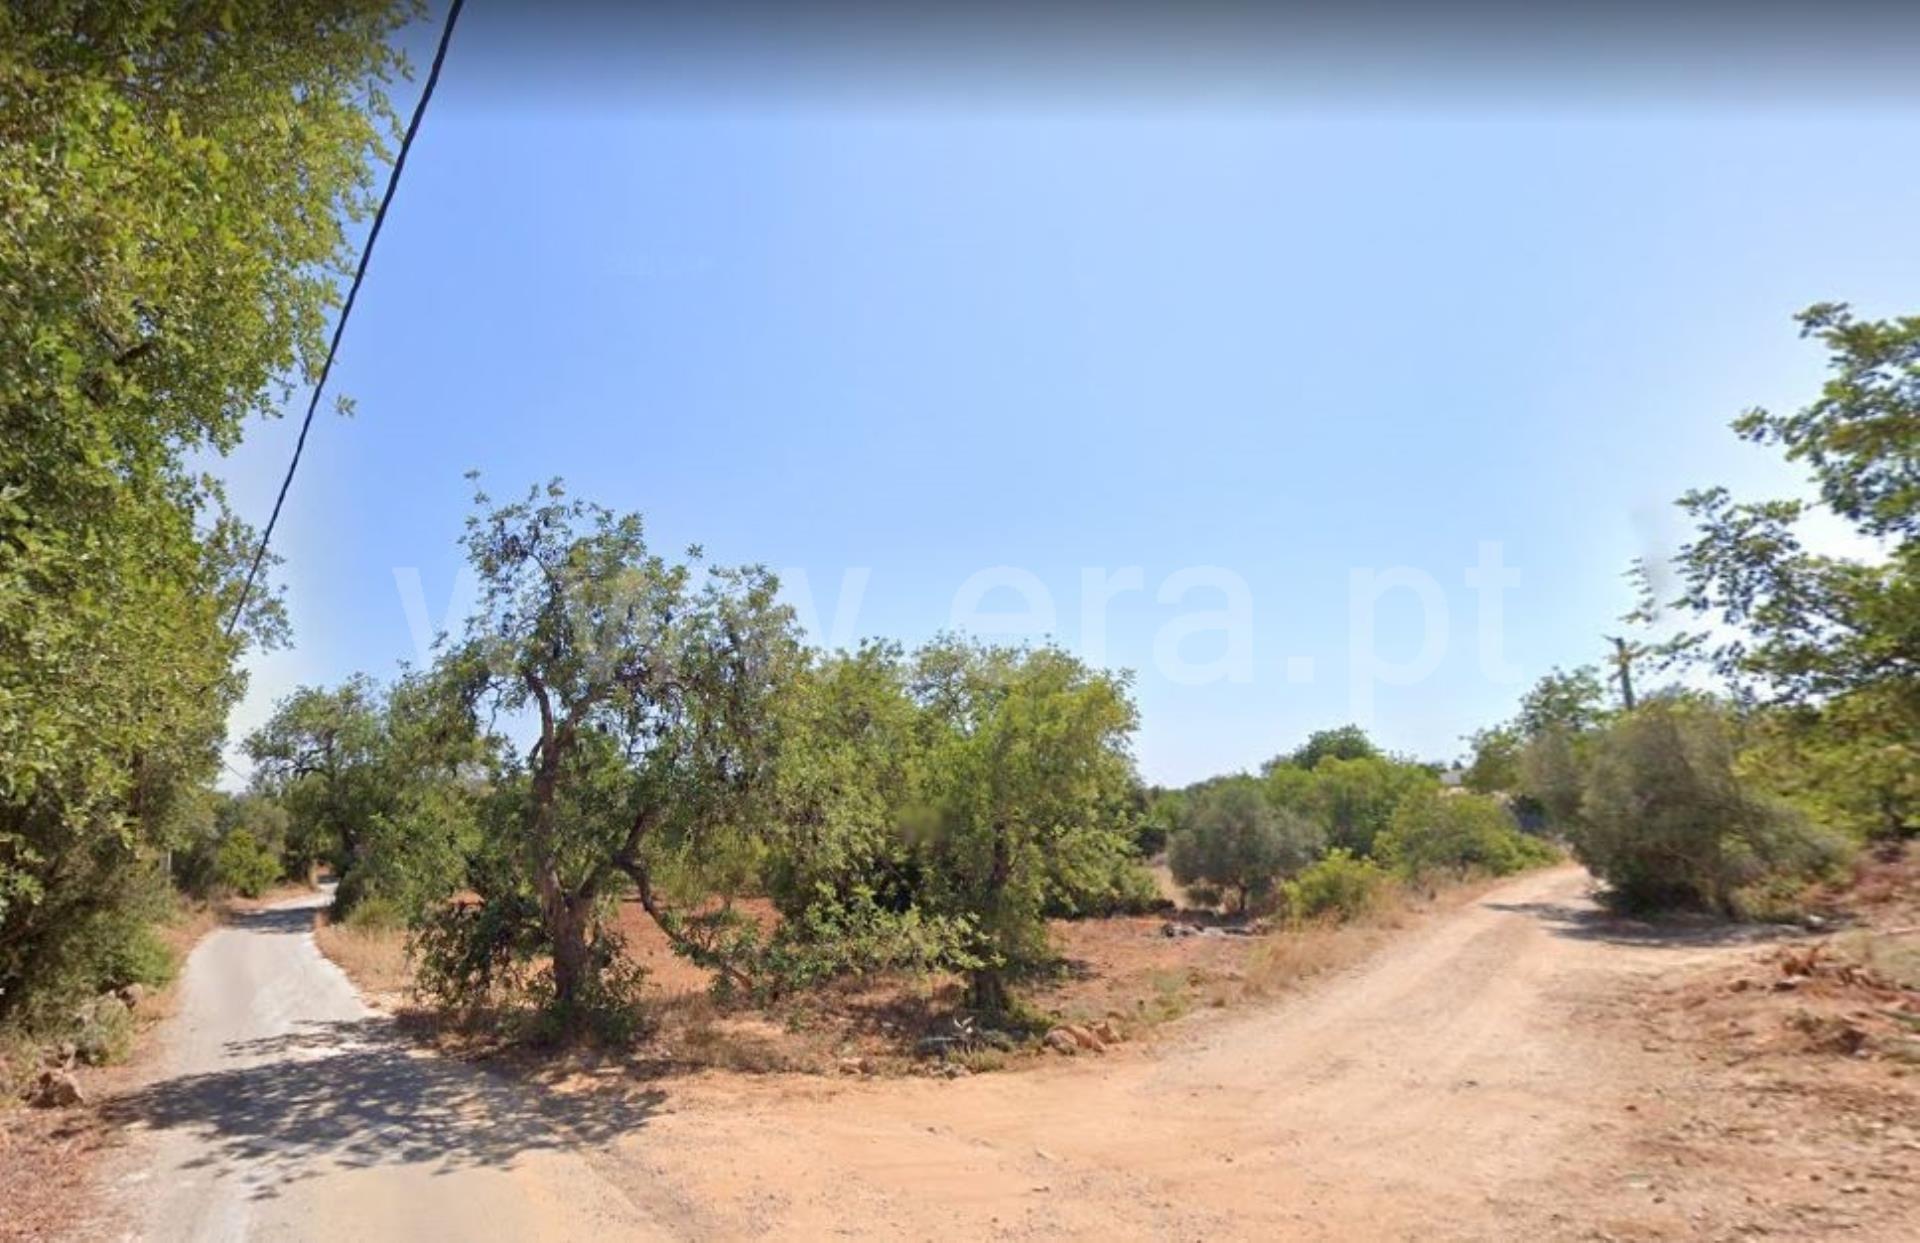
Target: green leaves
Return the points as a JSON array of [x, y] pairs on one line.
[[164, 268]]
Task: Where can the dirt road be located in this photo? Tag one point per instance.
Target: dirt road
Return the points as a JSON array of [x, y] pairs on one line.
[[1457, 1085], [1446, 1089]]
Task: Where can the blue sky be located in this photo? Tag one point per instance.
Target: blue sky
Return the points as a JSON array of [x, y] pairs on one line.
[[1286, 339]]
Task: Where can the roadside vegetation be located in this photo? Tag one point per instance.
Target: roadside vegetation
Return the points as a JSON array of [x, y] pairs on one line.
[[615, 730]]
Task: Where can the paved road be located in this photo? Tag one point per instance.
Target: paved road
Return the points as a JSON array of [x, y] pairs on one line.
[[285, 1109]]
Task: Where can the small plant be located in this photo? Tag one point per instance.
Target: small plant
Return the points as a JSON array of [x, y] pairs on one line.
[[376, 914], [1339, 885], [105, 1032]]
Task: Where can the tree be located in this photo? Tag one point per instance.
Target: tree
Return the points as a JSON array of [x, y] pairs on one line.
[[176, 181], [322, 757], [1353, 800], [1460, 834], [1235, 840], [1495, 767], [1666, 820], [1029, 790], [1347, 742], [1570, 700], [1829, 646], [651, 690]]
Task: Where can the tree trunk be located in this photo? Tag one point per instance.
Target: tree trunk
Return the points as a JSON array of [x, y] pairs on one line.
[[572, 960], [987, 991]]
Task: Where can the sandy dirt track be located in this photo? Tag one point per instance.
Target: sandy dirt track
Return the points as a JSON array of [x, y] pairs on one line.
[[1456, 1085]]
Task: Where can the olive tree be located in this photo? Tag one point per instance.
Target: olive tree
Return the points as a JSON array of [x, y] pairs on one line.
[[1233, 838]]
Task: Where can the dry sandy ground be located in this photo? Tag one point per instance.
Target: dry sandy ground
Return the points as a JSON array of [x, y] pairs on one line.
[[1484, 1077]]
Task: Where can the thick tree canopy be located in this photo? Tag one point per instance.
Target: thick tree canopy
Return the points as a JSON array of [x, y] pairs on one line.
[[176, 177]]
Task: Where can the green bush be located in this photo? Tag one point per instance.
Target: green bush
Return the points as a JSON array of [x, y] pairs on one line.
[[1094, 871], [136, 955], [1340, 884], [105, 1032], [1666, 823], [376, 914], [244, 865], [1234, 839], [1458, 834]]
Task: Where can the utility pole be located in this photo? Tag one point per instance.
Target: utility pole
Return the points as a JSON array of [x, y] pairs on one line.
[[1623, 664]]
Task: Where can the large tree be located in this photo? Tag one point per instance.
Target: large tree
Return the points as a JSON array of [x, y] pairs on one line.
[[1827, 647], [1030, 785], [176, 178], [648, 690], [322, 756]]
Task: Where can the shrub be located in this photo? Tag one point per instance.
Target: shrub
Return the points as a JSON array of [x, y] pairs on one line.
[[1667, 823], [1094, 871], [1340, 884], [1234, 839], [136, 955], [243, 865], [1458, 834], [855, 936], [376, 914], [105, 1033]]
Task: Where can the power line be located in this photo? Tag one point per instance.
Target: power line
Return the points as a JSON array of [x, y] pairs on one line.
[[346, 308]]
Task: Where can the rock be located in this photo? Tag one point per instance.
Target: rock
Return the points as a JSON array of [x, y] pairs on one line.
[[56, 1089], [1060, 1042], [1085, 1039], [133, 995]]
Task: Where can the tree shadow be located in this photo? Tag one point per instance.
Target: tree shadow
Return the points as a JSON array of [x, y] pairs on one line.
[[280, 919], [352, 1094], [1589, 923]]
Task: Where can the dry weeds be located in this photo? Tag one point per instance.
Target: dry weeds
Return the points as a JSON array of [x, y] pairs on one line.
[[375, 959]]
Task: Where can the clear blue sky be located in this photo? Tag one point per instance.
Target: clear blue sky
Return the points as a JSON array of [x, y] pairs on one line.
[[1292, 337]]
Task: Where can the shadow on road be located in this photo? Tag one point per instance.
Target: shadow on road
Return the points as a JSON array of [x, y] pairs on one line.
[[1587, 923], [351, 1094], [285, 919]]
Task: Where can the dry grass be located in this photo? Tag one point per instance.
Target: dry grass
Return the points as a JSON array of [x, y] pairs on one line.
[[1122, 968], [375, 959]]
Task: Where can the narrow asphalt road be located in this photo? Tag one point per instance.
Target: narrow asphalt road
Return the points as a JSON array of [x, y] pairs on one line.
[[285, 1109]]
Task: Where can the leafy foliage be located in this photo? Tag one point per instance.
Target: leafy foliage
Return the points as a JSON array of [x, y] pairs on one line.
[[1351, 800], [1831, 645], [652, 694], [1347, 742], [1235, 840], [1338, 885], [243, 865], [1458, 834], [1666, 820], [1029, 788], [177, 181]]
